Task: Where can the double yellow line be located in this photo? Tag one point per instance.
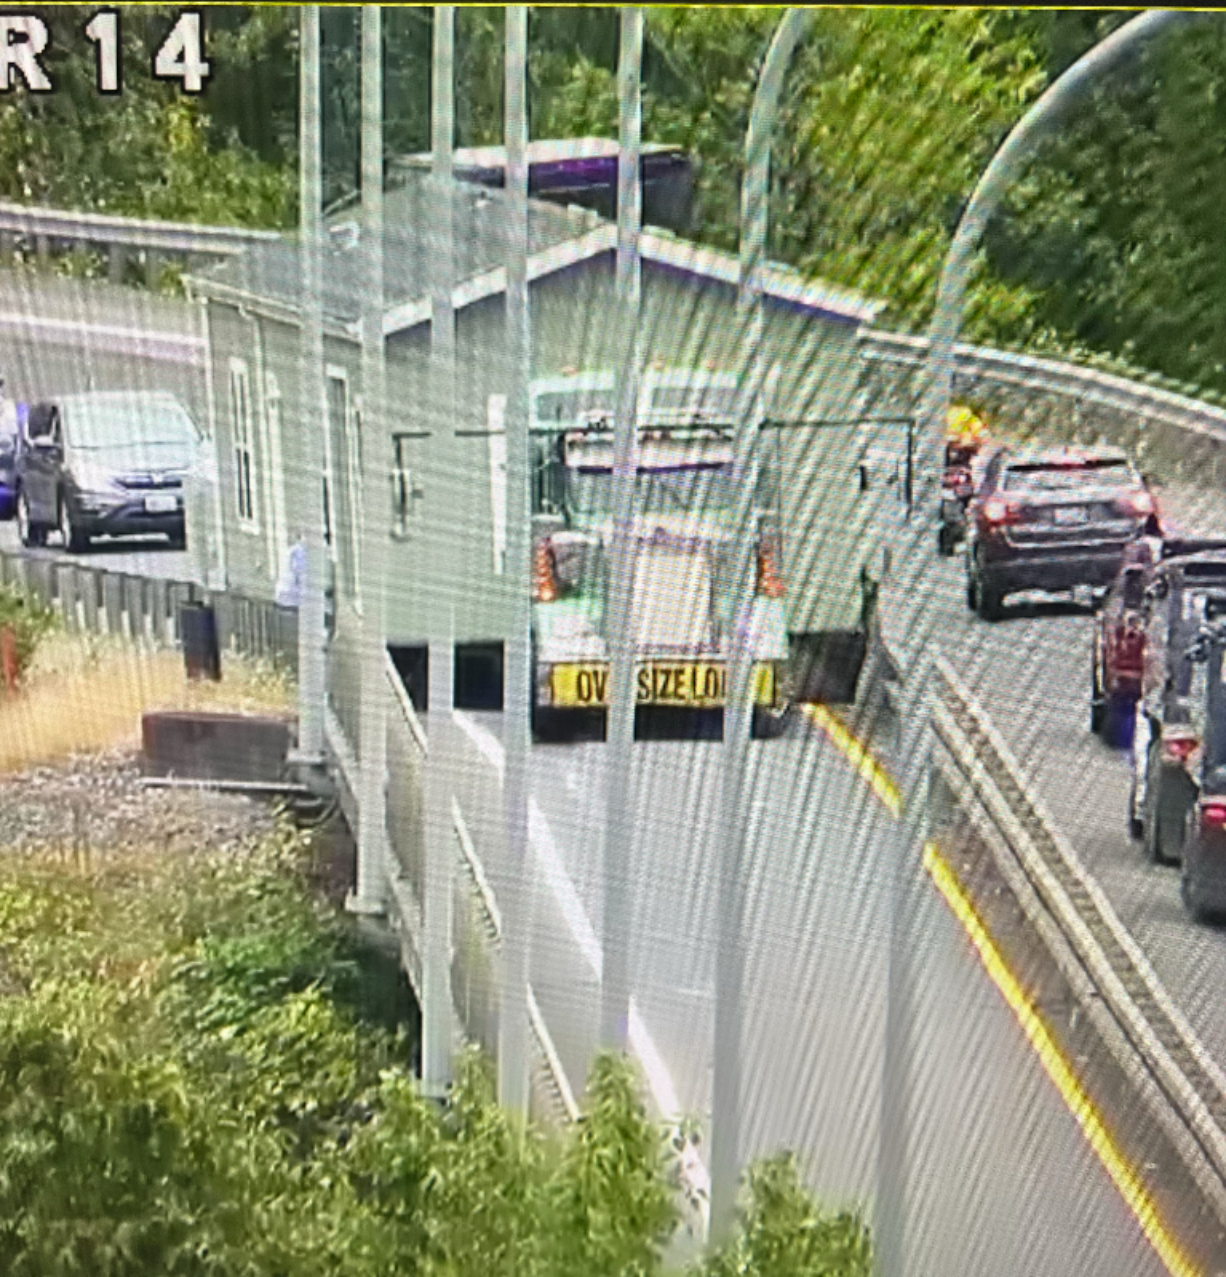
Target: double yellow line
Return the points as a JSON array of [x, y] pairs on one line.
[[1053, 1060]]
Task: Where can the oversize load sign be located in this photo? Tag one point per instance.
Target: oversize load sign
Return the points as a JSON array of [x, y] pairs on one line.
[[684, 684]]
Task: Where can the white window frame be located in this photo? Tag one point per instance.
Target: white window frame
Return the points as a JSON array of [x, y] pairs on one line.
[[246, 478], [349, 426], [275, 474]]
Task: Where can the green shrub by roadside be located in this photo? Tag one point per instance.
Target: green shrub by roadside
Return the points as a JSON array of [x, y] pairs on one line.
[[186, 1089], [30, 619]]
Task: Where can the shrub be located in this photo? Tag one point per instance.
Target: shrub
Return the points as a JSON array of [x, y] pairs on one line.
[[30, 620]]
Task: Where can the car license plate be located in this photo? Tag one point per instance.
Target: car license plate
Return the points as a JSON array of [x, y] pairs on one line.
[[1069, 514], [162, 504], [682, 684]]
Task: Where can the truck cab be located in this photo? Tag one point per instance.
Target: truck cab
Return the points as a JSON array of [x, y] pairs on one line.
[[684, 533]]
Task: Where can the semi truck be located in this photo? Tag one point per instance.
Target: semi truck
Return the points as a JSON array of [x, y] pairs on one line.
[[820, 487]]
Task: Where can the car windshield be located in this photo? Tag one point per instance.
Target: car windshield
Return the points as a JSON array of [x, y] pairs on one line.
[[698, 491], [1069, 478], [131, 431]]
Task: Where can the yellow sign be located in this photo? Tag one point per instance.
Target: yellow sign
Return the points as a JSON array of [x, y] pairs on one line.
[[681, 684]]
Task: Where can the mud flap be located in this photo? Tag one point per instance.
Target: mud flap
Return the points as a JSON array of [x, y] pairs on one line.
[[825, 668]]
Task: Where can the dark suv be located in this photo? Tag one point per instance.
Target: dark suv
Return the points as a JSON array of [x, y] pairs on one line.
[[1166, 740], [104, 464], [1051, 520]]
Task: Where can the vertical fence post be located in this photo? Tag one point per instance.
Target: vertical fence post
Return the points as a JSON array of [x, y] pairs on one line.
[[738, 712], [312, 397], [437, 1019], [618, 824], [370, 894], [517, 910]]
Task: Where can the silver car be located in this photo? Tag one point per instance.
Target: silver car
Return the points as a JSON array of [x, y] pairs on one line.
[[104, 464]]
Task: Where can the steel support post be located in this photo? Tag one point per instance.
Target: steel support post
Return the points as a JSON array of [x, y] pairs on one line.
[[917, 639], [371, 892], [738, 714], [312, 399], [517, 688], [619, 825], [437, 1013]]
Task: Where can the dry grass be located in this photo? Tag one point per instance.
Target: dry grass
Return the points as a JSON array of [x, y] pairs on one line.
[[85, 693]]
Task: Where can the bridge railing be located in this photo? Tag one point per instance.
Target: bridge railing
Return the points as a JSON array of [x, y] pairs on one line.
[[140, 243], [98, 600], [1183, 437]]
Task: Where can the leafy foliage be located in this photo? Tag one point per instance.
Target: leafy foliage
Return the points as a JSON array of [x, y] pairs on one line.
[[783, 1235], [185, 1090], [30, 619]]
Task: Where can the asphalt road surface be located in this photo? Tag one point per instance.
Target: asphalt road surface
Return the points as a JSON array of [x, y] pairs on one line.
[[1002, 1179], [141, 556]]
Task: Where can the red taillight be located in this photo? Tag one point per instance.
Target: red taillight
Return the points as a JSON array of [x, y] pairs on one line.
[[997, 511], [1212, 813], [1178, 749], [770, 583], [544, 578]]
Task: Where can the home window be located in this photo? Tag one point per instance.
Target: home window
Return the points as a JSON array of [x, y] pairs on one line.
[[244, 457]]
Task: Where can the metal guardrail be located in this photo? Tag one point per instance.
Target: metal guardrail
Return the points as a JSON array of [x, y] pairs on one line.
[[405, 875], [146, 609], [1191, 1081], [46, 229], [58, 225], [1086, 386]]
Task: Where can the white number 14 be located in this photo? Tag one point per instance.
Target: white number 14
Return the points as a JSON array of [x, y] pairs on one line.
[[181, 56]]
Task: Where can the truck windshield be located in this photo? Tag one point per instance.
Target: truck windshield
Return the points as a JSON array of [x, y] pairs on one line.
[[697, 491]]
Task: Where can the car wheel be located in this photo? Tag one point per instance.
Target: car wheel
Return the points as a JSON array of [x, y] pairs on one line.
[[768, 724], [178, 540], [31, 534], [989, 601], [1164, 814], [75, 541]]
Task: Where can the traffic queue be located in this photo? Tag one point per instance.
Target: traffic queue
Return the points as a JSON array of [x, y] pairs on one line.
[[1076, 519]]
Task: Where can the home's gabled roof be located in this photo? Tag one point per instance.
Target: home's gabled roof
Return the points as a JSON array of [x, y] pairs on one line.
[[268, 275]]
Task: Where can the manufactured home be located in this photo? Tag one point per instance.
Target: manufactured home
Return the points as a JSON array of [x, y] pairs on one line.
[[445, 498]]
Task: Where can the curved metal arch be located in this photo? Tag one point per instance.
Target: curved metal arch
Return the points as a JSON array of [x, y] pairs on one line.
[[755, 212]]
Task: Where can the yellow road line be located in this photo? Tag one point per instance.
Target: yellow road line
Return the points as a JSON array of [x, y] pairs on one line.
[[860, 757], [1054, 1063]]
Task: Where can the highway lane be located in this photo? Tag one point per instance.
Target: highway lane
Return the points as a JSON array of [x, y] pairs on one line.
[[1003, 1181], [1031, 671]]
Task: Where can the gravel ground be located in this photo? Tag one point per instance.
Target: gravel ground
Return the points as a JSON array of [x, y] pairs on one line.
[[95, 803]]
